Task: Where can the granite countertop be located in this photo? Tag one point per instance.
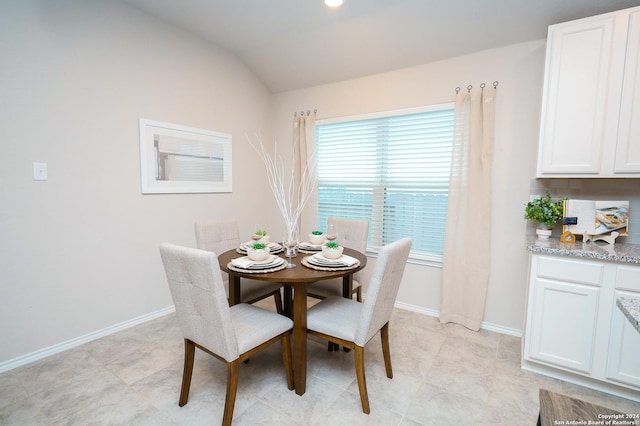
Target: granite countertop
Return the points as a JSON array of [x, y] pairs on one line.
[[631, 309], [619, 252]]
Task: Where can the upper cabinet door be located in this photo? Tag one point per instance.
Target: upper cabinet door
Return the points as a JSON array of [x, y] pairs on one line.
[[590, 124], [628, 148]]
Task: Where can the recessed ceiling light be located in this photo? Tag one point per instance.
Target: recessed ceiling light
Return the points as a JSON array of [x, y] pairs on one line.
[[333, 3]]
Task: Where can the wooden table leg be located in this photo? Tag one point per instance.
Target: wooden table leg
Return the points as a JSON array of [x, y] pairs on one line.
[[234, 290], [347, 286], [300, 337], [288, 301]]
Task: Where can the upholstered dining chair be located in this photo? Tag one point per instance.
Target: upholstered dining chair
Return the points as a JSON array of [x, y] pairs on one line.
[[231, 334], [351, 233], [351, 324], [222, 235]]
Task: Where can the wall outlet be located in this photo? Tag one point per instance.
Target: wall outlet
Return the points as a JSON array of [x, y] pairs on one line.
[[40, 171]]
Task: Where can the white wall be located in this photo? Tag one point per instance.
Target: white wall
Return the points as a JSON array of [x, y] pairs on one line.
[[519, 70], [79, 252]]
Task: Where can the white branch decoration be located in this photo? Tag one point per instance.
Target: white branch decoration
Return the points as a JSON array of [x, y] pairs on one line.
[[290, 200]]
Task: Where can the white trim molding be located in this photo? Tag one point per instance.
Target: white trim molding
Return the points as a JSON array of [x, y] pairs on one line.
[[435, 313], [60, 347]]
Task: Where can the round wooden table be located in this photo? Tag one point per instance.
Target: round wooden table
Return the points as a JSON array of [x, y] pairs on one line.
[[295, 281]]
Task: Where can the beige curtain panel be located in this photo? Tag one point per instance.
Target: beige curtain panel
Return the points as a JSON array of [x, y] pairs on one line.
[[304, 146], [465, 272]]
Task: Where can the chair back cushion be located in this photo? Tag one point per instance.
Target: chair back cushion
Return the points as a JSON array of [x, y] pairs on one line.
[[352, 233], [196, 286], [217, 236], [383, 289]]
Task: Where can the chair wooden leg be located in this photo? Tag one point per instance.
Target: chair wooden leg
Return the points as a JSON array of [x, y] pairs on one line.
[[384, 337], [287, 360], [362, 382], [189, 354], [359, 294], [278, 300], [232, 388]]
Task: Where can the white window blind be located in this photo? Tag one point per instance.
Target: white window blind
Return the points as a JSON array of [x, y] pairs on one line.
[[390, 170]]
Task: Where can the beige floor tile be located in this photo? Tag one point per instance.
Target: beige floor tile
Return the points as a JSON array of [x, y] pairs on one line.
[[443, 374], [433, 405]]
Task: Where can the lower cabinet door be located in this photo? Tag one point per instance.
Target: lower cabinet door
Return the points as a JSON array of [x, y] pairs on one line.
[[623, 358], [563, 324]]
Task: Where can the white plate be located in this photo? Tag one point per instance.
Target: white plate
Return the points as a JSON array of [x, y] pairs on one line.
[[273, 247], [246, 263], [308, 246], [344, 260]]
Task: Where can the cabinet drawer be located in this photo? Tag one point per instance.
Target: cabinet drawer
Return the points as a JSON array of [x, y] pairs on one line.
[[628, 278], [566, 269]]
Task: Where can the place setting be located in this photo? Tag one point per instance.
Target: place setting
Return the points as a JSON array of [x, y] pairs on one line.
[[247, 265], [274, 248], [331, 258], [308, 248], [260, 236], [321, 263], [316, 240]]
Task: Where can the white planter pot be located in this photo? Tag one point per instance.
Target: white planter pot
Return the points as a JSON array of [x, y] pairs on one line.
[[543, 233], [332, 253], [316, 239], [258, 255]]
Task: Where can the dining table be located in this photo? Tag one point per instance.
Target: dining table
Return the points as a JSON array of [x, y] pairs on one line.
[[295, 281]]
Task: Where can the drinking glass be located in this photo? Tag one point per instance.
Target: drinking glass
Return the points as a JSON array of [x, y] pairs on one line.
[[290, 244], [331, 233]]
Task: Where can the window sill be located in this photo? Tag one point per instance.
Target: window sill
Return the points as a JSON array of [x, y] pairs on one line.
[[431, 260]]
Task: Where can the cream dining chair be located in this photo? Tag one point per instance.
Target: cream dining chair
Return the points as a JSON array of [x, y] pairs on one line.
[[222, 235], [231, 334], [351, 324], [351, 233]]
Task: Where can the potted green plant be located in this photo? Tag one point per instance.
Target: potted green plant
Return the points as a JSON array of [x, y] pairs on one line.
[[258, 251], [545, 212], [332, 250], [261, 236], [316, 237]]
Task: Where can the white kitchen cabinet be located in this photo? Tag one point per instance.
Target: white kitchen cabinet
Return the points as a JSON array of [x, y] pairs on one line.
[[574, 330], [564, 307], [590, 113], [628, 149], [623, 362]]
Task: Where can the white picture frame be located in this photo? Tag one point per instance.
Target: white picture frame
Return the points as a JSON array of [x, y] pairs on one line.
[[177, 159]]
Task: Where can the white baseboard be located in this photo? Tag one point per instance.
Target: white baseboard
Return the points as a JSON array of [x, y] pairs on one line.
[[484, 325], [60, 347]]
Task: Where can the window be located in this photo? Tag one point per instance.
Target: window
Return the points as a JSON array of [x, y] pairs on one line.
[[391, 169]]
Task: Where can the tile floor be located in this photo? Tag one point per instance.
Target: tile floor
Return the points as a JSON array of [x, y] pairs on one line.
[[443, 375]]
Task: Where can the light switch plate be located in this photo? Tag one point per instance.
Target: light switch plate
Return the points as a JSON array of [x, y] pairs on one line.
[[40, 171]]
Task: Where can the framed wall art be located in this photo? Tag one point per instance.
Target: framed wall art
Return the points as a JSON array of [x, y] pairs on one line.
[[177, 159]]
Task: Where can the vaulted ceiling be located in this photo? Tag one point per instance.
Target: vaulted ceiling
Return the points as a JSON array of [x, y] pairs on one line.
[[291, 44]]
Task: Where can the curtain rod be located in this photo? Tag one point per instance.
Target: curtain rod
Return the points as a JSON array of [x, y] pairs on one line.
[[482, 86], [308, 113]]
